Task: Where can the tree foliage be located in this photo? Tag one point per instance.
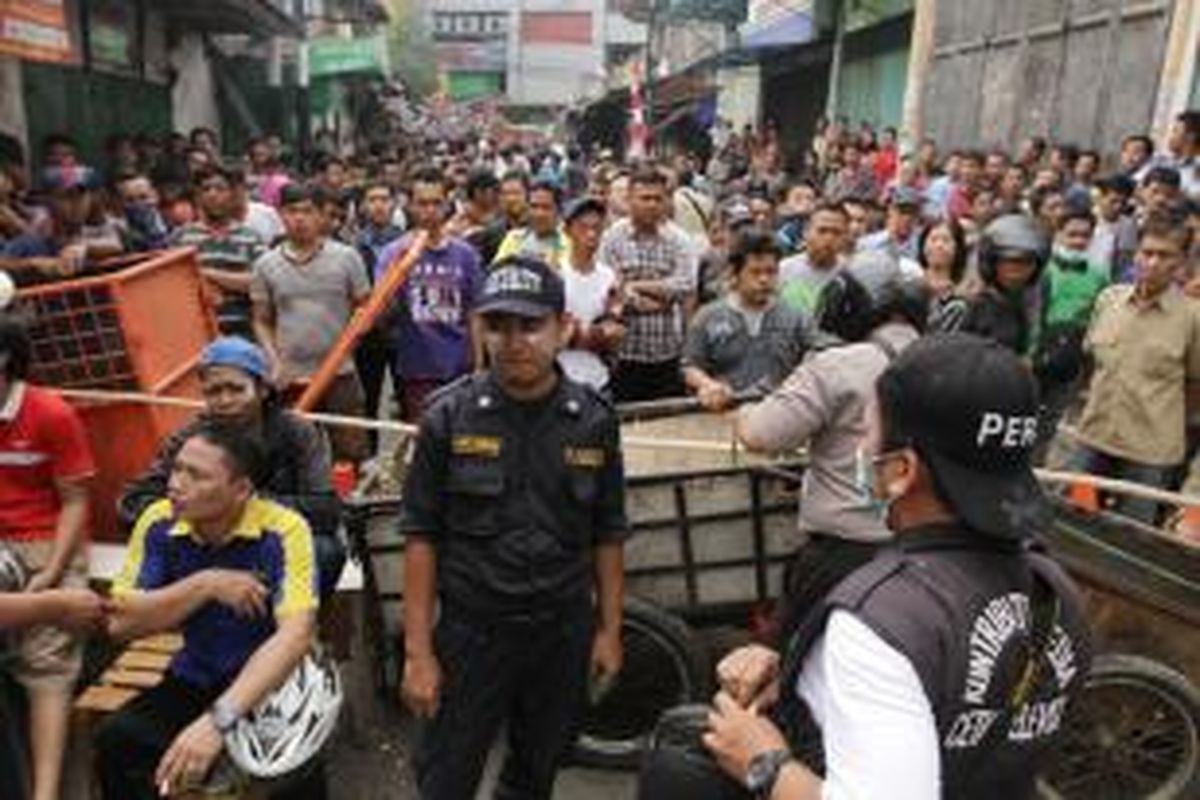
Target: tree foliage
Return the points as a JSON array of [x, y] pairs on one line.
[[410, 48]]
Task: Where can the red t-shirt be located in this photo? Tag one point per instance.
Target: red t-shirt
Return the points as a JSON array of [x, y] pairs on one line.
[[41, 439]]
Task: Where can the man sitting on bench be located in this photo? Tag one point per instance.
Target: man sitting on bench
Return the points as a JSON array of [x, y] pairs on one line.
[[235, 572]]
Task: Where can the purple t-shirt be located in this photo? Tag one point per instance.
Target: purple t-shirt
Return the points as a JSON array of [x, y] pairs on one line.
[[432, 320]]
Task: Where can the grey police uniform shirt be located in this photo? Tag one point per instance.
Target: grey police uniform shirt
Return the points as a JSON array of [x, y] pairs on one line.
[[515, 496], [746, 349], [822, 405]]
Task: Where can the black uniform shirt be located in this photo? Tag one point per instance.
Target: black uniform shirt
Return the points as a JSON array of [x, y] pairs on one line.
[[515, 496]]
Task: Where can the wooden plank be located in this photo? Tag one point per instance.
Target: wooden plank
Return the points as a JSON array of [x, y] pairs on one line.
[[104, 699], [132, 659], [169, 643], [131, 678]]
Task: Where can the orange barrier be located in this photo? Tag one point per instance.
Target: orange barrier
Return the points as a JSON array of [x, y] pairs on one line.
[[139, 328], [1084, 496]]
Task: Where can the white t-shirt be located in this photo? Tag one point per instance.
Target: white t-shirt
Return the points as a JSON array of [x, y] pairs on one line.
[[876, 723], [586, 298], [265, 221]]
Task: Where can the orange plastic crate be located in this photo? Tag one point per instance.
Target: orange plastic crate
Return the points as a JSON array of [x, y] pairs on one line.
[[130, 329], [124, 438], [141, 329]]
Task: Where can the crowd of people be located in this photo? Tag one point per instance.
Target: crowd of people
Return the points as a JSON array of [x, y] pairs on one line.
[[792, 290]]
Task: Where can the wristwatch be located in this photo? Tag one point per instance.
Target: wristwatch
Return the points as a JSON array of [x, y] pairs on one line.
[[764, 771], [224, 716]]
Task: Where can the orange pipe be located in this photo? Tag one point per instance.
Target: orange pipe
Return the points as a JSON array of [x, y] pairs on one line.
[[361, 322]]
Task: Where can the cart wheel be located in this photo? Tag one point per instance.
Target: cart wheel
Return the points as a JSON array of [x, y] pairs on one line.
[[1135, 732], [664, 667]]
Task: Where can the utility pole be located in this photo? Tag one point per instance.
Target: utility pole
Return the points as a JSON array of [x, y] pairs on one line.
[[648, 85], [835, 64], [920, 56]]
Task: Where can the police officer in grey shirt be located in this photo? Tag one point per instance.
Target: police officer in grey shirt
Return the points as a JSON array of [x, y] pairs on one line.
[[746, 340], [876, 312], [514, 520]]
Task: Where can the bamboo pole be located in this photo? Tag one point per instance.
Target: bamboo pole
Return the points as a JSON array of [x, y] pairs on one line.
[[1055, 477]]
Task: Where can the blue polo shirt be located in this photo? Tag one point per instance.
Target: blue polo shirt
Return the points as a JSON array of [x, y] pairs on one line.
[[270, 540]]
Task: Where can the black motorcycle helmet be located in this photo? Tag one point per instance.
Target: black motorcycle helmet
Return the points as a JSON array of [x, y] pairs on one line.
[[677, 765], [866, 293], [1012, 236]]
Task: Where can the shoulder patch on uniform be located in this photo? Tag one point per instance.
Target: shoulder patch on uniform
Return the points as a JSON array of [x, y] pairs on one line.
[[585, 457], [478, 446]]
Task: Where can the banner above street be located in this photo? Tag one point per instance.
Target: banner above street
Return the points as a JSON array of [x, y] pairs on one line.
[[36, 30]]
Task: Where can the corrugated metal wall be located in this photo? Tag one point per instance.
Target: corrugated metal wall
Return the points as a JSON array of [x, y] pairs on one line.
[[1084, 71], [874, 72]]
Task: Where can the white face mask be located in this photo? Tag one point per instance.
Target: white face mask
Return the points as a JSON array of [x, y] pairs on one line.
[[1069, 255]]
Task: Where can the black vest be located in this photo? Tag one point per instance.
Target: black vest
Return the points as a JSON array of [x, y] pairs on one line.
[[996, 633]]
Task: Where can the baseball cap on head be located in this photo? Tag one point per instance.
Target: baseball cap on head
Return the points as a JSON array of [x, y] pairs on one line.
[[524, 287], [583, 205], [907, 197], [969, 407], [234, 351]]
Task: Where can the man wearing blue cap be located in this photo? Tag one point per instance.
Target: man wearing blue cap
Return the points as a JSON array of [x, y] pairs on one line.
[[514, 520], [234, 382]]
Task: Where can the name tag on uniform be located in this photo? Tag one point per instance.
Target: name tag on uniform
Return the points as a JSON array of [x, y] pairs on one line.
[[586, 457], [480, 446]]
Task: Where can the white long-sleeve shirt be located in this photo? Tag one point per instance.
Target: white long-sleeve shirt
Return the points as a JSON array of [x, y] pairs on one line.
[[877, 725]]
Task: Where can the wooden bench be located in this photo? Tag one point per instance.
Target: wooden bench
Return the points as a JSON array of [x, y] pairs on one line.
[[140, 667]]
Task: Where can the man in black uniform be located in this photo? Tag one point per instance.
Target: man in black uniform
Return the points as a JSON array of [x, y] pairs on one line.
[[514, 518], [945, 667]]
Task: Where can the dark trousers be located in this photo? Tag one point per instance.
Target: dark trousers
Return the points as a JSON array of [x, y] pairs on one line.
[[373, 359], [816, 568], [14, 778], [1095, 462], [130, 743], [530, 674], [637, 381]]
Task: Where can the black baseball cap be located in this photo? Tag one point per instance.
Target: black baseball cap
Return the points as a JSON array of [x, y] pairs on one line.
[[969, 407], [1121, 184], [581, 206], [523, 286]]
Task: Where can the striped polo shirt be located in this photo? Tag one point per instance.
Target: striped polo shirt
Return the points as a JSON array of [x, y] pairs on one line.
[[269, 540]]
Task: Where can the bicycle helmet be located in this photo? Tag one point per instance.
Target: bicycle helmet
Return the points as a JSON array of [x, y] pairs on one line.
[[1012, 236], [867, 292], [291, 725], [13, 577]]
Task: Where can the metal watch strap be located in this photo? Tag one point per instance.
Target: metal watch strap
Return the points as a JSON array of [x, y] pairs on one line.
[[224, 715]]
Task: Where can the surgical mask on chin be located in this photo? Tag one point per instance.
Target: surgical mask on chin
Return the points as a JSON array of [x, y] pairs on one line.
[[1069, 256], [864, 483]]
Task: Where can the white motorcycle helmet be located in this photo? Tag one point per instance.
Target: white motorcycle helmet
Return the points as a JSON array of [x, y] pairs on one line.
[[291, 725], [13, 572], [13, 577]]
